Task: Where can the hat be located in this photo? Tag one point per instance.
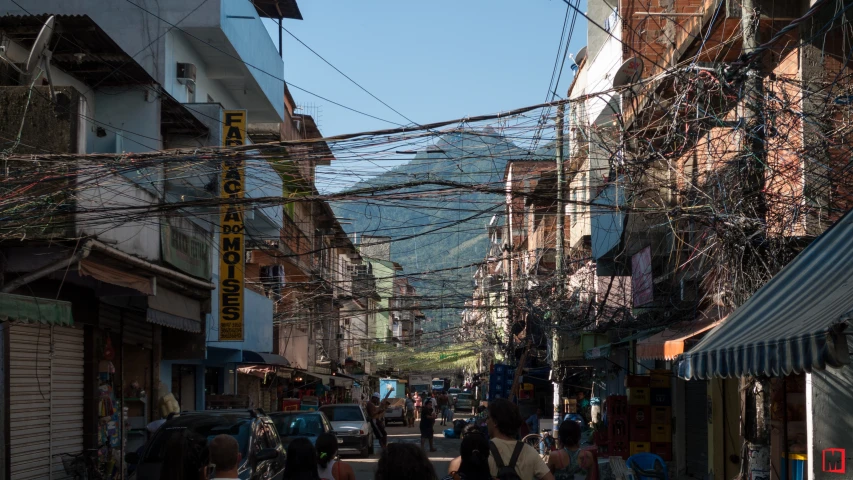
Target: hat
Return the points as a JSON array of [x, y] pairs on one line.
[[376, 395]]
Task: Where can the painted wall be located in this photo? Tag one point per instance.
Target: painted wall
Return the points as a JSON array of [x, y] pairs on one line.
[[257, 328], [180, 50], [831, 422], [384, 273], [262, 181], [137, 237], [131, 120]]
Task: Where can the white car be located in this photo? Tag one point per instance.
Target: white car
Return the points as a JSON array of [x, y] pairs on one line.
[[355, 437]]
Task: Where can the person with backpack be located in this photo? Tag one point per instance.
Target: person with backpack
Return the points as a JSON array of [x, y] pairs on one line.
[[511, 459]]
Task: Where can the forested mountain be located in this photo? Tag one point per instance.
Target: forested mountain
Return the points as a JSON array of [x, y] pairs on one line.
[[444, 231]]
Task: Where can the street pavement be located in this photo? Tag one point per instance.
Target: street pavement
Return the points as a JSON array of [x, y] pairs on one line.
[[448, 449]]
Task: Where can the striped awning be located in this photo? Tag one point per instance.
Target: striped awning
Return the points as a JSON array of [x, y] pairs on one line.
[[21, 308], [795, 323]]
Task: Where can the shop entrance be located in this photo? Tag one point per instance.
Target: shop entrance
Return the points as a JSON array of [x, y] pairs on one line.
[[183, 386]]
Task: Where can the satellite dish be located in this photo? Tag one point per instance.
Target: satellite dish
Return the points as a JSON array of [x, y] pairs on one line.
[[630, 72], [581, 56], [39, 53]]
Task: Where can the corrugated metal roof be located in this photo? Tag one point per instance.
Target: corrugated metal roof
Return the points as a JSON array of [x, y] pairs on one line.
[[794, 323]]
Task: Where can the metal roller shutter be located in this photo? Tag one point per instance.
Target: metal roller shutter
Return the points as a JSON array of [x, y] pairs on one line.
[[45, 398], [137, 330], [66, 403]]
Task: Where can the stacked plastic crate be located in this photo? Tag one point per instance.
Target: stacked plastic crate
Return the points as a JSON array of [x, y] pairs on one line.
[[660, 382], [639, 413], [617, 426]]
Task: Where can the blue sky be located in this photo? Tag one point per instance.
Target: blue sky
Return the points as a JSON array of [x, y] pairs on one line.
[[432, 61]]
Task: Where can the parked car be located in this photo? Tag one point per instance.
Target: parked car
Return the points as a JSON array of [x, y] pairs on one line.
[[396, 412], [182, 440], [292, 425], [464, 402], [352, 428]]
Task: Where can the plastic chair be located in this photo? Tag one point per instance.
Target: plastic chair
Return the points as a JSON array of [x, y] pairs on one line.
[[647, 466]]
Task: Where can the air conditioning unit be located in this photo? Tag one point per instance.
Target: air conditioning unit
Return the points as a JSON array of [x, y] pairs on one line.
[[186, 73], [186, 77]]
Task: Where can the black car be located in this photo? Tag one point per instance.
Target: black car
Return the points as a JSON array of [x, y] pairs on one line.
[[181, 442], [310, 425]]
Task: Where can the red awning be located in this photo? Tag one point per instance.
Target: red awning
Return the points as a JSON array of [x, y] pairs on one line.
[[669, 343]]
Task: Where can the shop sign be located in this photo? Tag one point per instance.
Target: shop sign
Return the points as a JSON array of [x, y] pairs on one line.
[[185, 246], [232, 246]]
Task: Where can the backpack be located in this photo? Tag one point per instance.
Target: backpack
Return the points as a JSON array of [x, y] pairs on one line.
[[506, 472]]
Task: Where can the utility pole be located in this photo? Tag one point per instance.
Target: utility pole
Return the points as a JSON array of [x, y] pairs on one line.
[[755, 391], [561, 218]]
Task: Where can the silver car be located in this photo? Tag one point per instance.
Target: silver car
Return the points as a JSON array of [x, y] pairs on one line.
[[352, 428]]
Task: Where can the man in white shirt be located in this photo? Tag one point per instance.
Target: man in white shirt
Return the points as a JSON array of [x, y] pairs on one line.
[[504, 422], [225, 457]]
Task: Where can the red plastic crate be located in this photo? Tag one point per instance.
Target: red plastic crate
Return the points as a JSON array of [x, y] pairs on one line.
[[619, 449], [617, 428], [616, 405], [640, 415], [640, 433], [663, 450]]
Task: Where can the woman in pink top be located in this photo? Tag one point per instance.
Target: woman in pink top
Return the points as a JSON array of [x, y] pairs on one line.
[[418, 402]]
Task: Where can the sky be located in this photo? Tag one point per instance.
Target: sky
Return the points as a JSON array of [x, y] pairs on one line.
[[431, 61]]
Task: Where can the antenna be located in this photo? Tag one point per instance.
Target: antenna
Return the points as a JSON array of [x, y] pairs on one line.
[[39, 54], [629, 73], [581, 56]]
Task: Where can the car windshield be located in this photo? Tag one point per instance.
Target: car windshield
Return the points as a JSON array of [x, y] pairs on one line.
[[464, 396], [298, 425], [188, 440], [343, 414]]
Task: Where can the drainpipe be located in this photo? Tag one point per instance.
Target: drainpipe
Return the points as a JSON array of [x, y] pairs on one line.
[[84, 252]]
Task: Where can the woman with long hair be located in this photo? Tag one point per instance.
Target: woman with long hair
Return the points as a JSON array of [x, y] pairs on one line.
[[570, 462], [301, 461], [474, 453], [327, 467], [404, 461]]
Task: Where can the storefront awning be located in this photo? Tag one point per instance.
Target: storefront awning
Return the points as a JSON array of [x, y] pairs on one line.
[[669, 343], [792, 324], [264, 371], [115, 276], [21, 308], [173, 310], [264, 358]]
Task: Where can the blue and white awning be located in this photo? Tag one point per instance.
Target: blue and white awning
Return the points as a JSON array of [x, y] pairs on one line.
[[795, 323]]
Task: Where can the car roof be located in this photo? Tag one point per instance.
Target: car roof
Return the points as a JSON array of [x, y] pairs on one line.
[[189, 419]]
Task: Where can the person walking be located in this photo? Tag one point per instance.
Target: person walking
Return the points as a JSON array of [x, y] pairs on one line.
[[327, 467], [507, 452], [570, 462], [442, 404], [410, 411], [224, 456], [376, 413], [428, 415], [418, 404], [404, 461]]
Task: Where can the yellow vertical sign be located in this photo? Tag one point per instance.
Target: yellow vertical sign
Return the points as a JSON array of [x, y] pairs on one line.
[[232, 248]]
